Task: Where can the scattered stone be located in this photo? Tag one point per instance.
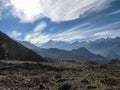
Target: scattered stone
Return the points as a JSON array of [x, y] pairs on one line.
[[65, 87], [85, 81], [61, 80], [41, 87], [58, 76], [91, 87], [110, 81]]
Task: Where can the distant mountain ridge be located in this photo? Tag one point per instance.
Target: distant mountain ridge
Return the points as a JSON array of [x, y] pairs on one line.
[[28, 45], [55, 44], [63, 45], [81, 54], [12, 50], [109, 47]]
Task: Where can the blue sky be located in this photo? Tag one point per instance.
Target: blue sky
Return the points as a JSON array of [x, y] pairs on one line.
[[38, 21]]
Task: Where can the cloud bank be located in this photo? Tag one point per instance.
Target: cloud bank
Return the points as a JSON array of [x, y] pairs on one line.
[[29, 11], [75, 33], [56, 10]]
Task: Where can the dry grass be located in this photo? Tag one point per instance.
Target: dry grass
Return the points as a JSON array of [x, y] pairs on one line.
[[20, 75]]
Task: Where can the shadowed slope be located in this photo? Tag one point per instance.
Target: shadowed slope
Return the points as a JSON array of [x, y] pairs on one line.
[[10, 49]]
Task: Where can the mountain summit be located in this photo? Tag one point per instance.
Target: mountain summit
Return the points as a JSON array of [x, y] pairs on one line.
[[55, 44], [12, 50]]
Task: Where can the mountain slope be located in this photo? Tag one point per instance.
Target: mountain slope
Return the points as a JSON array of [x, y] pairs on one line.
[[84, 52], [81, 55], [63, 45], [12, 50], [54, 44], [109, 47], [111, 52], [28, 45], [114, 62]]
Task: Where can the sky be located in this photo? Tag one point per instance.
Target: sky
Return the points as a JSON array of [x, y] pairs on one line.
[[38, 21]]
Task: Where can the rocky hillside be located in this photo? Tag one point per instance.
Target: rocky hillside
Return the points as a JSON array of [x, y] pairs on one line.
[[12, 50]]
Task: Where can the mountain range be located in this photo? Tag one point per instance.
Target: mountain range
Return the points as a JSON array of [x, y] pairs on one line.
[[109, 47], [12, 50], [101, 50], [55, 44], [80, 54]]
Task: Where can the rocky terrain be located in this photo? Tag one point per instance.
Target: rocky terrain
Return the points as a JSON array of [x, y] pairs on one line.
[[24, 75]]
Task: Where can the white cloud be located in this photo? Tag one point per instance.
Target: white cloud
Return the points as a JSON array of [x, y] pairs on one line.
[[15, 34], [56, 10], [101, 34], [101, 4], [105, 34], [36, 38], [69, 35], [77, 32], [26, 10], [40, 27], [115, 12]]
